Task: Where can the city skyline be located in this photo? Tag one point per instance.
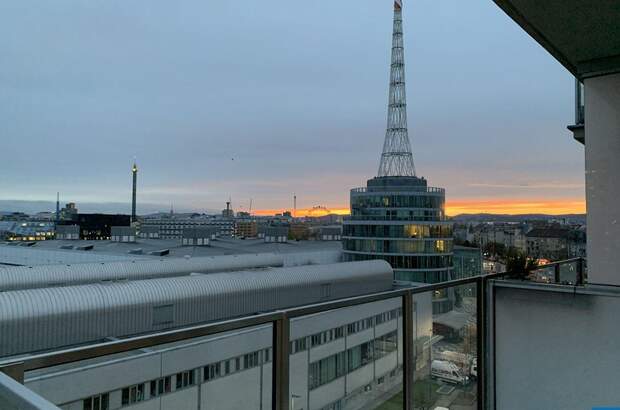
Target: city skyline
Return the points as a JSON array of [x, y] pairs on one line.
[[156, 91]]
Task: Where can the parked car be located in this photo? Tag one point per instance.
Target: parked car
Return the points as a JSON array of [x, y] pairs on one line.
[[448, 371]]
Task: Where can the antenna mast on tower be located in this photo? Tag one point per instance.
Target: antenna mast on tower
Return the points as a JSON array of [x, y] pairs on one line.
[[397, 159]]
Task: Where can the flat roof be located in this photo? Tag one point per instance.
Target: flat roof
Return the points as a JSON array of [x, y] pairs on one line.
[[49, 252]]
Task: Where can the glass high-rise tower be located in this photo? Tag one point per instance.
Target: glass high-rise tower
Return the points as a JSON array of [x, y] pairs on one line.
[[397, 216]]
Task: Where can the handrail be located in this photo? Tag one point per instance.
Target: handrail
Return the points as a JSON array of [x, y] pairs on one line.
[[79, 353], [14, 395], [280, 320]]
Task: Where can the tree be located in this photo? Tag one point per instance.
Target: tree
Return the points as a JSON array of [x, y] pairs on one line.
[[518, 265], [495, 248]]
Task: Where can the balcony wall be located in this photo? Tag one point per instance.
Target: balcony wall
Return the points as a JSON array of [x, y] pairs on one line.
[[556, 349]]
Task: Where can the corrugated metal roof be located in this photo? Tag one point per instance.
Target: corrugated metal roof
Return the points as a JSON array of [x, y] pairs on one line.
[[31, 277], [40, 319]]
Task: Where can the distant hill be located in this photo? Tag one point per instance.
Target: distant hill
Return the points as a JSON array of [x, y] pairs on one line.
[[484, 217]]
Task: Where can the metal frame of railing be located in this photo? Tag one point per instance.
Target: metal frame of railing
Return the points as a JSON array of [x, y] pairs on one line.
[[280, 321], [579, 103], [580, 274]]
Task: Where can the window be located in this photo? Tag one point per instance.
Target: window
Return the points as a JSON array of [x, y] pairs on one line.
[[326, 290], [326, 370], [250, 360], [98, 402], [185, 379], [360, 355], [385, 344], [163, 315], [132, 394], [299, 345], [266, 354], [211, 371], [161, 386]]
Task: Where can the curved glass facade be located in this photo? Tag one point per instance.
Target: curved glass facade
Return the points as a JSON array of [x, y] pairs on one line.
[[401, 220]]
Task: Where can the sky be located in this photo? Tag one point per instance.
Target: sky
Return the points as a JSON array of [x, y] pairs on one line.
[[258, 101]]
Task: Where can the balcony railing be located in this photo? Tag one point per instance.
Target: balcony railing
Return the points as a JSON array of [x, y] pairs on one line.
[[579, 103], [566, 272], [578, 128], [417, 351]]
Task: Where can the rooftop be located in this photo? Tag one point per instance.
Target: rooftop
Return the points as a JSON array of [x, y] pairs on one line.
[[50, 252]]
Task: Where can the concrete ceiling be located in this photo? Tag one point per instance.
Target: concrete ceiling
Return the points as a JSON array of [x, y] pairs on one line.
[[583, 35]]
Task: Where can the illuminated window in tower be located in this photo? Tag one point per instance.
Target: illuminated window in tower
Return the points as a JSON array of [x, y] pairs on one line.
[[440, 246]]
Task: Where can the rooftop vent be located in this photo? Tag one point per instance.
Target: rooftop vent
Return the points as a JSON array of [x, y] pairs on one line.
[[162, 252]]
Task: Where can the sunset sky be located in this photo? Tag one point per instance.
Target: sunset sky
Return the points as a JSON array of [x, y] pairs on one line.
[[263, 100]]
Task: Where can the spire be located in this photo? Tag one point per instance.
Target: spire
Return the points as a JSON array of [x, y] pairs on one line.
[[134, 173], [57, 207], [397, 159]]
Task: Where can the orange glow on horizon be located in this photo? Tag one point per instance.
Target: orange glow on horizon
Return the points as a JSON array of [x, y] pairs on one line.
[[467, 206], [516, 206]]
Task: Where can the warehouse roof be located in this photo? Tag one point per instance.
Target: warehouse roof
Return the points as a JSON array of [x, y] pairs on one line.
[[42, 276]]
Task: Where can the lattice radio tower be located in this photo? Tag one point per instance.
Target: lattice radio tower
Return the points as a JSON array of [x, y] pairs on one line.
[[397, 159]]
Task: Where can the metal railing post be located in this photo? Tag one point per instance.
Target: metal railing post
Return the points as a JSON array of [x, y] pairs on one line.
[[580, 275], [280, 369], [556, 273], [408, 364]]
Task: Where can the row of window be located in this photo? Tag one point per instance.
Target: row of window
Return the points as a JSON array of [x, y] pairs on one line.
[[326, 336], [136, 393], [337, 365], [236, 364], [317, 339], [406, 262], [387, 316], [98, 402], [163, 385], [416, 231], [398, 201], [393, 215], [424, 276], [391, 246]]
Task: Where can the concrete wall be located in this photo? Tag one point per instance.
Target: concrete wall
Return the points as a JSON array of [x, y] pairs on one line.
[[602, 130], [556, 350]]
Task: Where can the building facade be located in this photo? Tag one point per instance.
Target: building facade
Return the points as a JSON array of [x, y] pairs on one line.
[[172, 228], [401, 220]]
